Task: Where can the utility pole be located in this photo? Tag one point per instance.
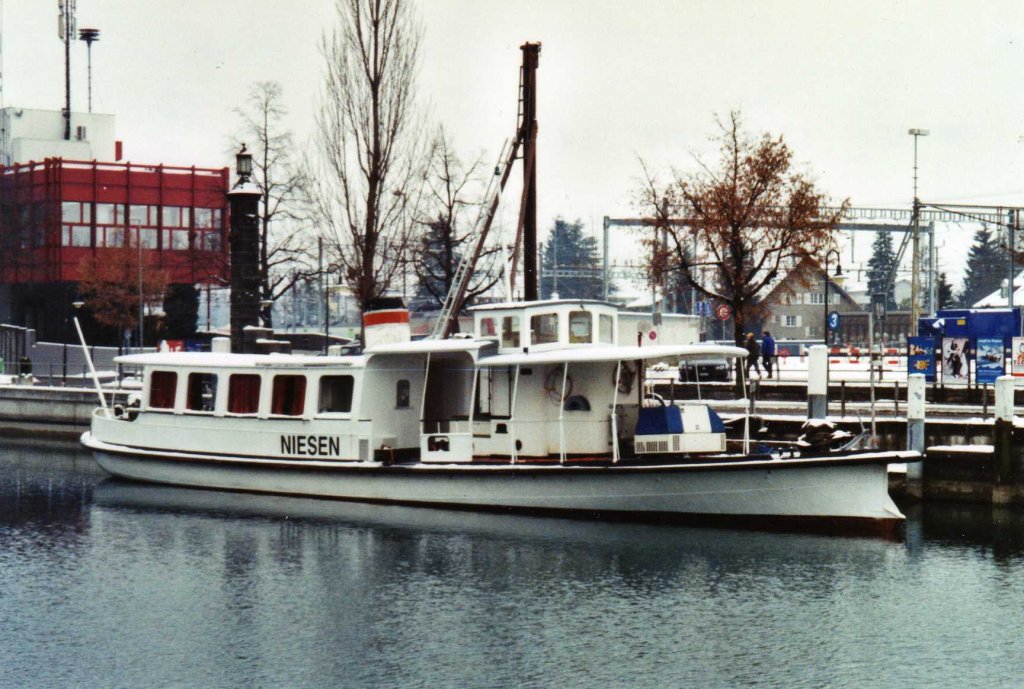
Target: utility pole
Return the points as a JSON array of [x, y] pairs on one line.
[[90, 36], [915, 270]]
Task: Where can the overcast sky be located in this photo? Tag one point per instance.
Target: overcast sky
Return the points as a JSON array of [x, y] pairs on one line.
[[618, 80]]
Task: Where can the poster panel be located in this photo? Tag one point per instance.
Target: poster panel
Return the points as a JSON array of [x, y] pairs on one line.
[[921, 358], [988, 364], [954, 361], [1017, 357]]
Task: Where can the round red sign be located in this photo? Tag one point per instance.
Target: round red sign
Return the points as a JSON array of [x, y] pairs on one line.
[[723, 312]]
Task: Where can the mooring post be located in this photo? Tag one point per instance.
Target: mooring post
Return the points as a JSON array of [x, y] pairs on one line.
[[915, 431], [842, 398], [817, 382], [1004, 489]]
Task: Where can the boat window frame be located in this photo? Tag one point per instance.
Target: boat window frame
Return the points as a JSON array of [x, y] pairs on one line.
[[259, 394], [603, 320], [302, 397], [511, 325], [325, 414], [174, 391], [574, 315], [537, 317], [403, 393], [187, 409]]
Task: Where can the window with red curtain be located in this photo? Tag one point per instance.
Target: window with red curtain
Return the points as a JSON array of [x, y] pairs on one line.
[[243, 393], [289, 395], [161, 389]]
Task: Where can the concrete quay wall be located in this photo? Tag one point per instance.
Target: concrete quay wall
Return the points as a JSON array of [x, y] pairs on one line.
[[51, 411]]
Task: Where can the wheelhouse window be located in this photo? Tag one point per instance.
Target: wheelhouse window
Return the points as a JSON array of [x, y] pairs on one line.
[[243, 393], [202, 392], [402, 394], [544, 328], [510, 331], [581, 327], [162, 385], [289, 398], [605, 329], [336, 394], [487, 328]]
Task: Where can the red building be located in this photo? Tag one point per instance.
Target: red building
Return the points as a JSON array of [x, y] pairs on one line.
[[56, 212]]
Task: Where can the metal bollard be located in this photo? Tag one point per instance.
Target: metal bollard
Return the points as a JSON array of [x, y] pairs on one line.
[[842, 398], [817, 382]]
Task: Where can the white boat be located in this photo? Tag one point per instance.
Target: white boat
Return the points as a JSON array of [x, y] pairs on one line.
[[538, 410]]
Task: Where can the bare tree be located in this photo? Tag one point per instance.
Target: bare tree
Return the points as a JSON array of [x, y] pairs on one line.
[[110, 284], [752, 219], [450, 211], [284, 256], [367, 135]]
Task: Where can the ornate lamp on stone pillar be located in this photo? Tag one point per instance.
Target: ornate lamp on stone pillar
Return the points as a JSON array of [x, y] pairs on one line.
[[244, 205]]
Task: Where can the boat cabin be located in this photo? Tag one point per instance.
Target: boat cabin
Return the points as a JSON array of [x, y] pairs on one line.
[[542, 381]]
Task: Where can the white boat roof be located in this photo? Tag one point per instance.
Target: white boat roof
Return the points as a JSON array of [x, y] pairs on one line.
[[540, 302], [616, 353], [454, 344], [232, 360]]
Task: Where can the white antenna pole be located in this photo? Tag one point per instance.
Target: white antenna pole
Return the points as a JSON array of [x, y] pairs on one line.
[[92, 369]]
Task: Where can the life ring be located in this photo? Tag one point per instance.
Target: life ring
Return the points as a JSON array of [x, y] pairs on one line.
[[625, 377], [553, 385]]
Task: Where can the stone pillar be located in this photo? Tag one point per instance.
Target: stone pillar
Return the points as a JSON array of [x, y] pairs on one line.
[[817, 382], [915, 430], [1003, 492]]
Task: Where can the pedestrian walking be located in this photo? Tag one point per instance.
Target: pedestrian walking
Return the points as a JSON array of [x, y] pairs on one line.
[[767, 352], [753, 353]]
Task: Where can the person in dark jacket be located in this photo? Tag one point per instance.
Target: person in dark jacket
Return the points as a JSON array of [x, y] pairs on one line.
[[753, 352], [767, 352]]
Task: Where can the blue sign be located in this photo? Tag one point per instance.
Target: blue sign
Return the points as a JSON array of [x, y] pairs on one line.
[[833, 321], [921, 357], [989, 361]]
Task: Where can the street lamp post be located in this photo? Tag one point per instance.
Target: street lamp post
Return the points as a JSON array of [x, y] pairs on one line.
[[915, 270]]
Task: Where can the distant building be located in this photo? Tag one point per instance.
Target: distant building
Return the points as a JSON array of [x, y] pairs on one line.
[[798, 313], [61, 201]]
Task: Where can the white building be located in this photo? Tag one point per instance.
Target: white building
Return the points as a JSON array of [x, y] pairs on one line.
[[35, 135]]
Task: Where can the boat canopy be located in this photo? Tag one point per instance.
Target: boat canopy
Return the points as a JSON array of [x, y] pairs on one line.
[[616, 353]]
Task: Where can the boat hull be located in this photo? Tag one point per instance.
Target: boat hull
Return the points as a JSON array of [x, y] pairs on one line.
[[829, 493]]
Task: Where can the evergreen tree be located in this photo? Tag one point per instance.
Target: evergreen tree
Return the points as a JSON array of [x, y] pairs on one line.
[[985, 268], [945, 293], [882, 258], [574, 255], [181, 306]]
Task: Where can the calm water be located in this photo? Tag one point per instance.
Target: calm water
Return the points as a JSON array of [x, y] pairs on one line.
[[105, 583]]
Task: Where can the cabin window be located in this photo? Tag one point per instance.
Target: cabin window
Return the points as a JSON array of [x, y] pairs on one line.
[[402, 394], [544, 328], [605, 329], [289, 396], [161, 389], [336, 394], [510, 331], [581, 327], [487, 328], [202, 391], [243, 393]]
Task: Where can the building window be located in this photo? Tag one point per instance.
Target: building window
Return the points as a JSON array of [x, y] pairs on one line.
[[71, 211], [105, 214], [148, 237], [210, 241], [402, 394], [173, 216], [605, 330], [544, 328], [138, 215], [76, 235], [289, 396], [243, 393], [162, 385], [336, 394], [816, 298], [202, 392], [204, 217], [581, 327], [510, 331], [791, 321], [113, 236]]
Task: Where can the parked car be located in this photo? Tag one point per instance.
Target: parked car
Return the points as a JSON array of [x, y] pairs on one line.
[[704, 370]]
